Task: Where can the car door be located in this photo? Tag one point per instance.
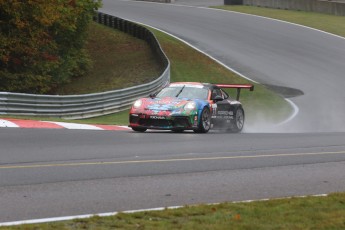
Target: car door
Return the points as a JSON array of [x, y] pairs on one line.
[[222, 114]]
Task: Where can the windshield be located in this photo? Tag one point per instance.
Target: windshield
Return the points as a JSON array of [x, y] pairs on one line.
[[184, 91]]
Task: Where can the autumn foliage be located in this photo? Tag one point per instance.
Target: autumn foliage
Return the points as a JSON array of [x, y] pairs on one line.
[[42, 43]]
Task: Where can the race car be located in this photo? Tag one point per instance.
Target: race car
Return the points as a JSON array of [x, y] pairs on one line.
[[189, 106]]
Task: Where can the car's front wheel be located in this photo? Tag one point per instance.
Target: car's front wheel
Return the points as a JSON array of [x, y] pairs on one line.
[[139, 129], [205, 121]]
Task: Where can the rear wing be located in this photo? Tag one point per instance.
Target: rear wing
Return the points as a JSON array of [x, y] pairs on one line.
[[238, 87]]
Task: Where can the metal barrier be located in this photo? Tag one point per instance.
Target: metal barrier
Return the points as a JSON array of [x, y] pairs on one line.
[[96, 104]]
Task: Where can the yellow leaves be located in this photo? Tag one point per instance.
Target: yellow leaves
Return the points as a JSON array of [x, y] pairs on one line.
[[44, 37], [237, 217], [4, 59], [228, 215], [48, 13], [20, 24], [72, 3]]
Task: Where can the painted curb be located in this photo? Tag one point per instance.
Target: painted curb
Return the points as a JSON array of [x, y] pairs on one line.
[[32, 124]]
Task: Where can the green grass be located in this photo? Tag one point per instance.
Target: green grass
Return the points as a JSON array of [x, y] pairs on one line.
[[329, 23], [292, 213], [119, 61]]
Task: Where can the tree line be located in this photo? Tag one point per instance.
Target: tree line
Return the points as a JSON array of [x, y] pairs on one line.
[[42, 43]]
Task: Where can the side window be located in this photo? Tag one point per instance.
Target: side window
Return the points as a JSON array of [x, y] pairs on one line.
[[216, 92], [225, 95]]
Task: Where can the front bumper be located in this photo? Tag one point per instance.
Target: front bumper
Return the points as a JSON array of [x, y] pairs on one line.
[[163, 122]]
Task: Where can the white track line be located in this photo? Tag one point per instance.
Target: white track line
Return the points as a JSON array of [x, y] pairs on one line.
[[65, 218], [293, 115], [5, 123], [75, 125]]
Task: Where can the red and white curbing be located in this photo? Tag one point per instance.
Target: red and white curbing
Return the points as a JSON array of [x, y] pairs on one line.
[[17, 123]]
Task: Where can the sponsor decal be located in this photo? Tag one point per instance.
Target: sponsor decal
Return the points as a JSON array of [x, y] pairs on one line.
[[158, 117], [214, 109], [224, 117], [226, 113]]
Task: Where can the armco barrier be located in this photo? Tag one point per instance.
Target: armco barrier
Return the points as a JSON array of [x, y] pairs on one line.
[[321, 6], [96, 104]]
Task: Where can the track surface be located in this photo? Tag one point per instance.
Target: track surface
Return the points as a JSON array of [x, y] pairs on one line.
[[264, 50], [47, 173]]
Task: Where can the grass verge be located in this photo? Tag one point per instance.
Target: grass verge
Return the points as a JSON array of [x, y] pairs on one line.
[[291, 213], [119, 61], [325, 22]]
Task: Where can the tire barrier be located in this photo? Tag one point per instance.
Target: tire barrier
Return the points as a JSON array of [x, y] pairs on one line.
[[95, 104]]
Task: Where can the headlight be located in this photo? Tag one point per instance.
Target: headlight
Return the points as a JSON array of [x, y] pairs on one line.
[[190, 106], [137, 103]]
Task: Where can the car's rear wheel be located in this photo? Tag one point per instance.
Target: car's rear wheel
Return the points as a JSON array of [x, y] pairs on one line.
[[205, 121], [238, 121], [139, 129]]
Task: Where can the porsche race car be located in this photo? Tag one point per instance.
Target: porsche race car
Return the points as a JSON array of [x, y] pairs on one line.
[[189, 106]]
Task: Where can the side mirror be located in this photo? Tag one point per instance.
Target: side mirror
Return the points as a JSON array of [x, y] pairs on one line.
[[152, 95], [218, 98]]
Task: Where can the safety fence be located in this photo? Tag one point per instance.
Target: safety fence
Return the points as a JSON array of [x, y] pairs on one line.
[[95, 104], [320, 6]]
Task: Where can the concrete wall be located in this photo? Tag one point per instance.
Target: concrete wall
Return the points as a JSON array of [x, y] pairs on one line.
[[336, 7]]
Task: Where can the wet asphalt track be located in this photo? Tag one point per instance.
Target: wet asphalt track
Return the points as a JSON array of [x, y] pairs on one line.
[[267, 51], [46, 173], [50, 173]]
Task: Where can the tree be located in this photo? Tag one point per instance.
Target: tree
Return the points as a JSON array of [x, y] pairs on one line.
[[42, 43]]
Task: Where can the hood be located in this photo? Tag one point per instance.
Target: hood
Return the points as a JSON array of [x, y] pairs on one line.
[[166, 103]]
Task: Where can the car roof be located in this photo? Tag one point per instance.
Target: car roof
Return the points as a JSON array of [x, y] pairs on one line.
[[197, 84]]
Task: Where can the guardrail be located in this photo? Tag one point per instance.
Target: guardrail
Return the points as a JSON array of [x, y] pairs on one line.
[[96, 104]]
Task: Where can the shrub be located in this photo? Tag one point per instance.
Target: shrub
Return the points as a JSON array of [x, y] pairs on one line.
[[42, 43]]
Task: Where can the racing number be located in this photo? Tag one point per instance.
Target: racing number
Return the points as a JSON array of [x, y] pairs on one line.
[[214, 110]]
